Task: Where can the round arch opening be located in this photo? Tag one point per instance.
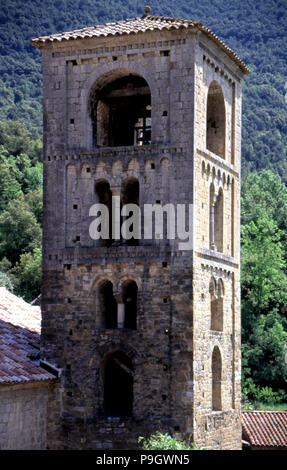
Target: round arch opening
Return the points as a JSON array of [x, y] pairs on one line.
[[215, 120], [120, 110]]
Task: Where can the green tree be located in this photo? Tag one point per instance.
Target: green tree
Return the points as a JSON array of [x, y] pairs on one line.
[[265, 192], [34, 199], [10, 188], [18, 140], [19, 230], [5, 281], [159, 441], [28, 274], [264, 282], [264, 286], [264, 364]]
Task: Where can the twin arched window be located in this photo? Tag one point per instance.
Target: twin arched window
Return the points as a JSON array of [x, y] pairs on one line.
[[129, 195], [117, 310]]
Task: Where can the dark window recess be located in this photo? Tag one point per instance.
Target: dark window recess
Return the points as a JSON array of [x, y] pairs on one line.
[[130, 195], [215, 120], [69, 301], [72, 121], [68, 266], [108, 305], [164, 53], [164, 264], [130, 292], [69, 394], [118, 369], [75, 206], [71, 332], [152, 165], [88, 170], [216, 379], [164, 113], [104, 196], [115, 58], [121, 113]]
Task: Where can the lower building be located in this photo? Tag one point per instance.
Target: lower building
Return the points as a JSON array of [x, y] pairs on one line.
[[26, 389]]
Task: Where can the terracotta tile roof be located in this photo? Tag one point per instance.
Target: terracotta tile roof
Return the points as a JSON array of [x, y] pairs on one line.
[[265, 428], [20, 326], [136, 26]]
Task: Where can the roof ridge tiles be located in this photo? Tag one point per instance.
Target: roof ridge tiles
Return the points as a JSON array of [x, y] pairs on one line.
[[135, 26]]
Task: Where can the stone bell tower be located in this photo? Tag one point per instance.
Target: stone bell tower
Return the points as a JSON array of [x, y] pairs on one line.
[[145, 332]]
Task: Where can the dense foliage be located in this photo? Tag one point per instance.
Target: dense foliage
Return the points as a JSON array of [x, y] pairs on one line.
[[256, 31], [159, 441], [264, 287], [20, 209]]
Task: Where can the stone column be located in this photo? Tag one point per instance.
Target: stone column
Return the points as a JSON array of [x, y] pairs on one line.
[[116, 210], [120, 310], [121, 315], [212, 241]]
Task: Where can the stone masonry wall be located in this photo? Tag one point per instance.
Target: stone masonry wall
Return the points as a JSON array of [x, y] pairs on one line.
[[23, 416], [172, 346], [220, 429]]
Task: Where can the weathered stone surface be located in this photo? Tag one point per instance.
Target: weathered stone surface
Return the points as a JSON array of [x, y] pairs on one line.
[[23, 416], [171, 349]]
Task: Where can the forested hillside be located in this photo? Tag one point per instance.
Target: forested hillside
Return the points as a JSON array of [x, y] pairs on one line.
[[256, 30]]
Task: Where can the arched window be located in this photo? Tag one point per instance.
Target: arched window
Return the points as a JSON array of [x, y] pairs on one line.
[[215, 120], [130, 292], [118, 384], [121, 111], [130, 195], [216, 379], [216, 222], [104, 196], [107, 306], [216, 291]]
